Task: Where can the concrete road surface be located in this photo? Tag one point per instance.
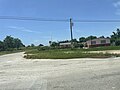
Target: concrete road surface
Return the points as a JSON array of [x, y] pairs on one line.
[[17, 73]]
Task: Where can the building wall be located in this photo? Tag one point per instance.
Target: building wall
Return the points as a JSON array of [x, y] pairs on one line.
[[98, 42], [65, 45]]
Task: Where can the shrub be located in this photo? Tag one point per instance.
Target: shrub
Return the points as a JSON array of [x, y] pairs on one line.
[[81, 45], [117, 43]]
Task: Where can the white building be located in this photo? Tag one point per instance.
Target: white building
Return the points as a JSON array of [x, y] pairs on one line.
[[65, 45], [98, 42]]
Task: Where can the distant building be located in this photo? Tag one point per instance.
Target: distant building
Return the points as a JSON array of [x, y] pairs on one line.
[[98, 42], [65, 45]]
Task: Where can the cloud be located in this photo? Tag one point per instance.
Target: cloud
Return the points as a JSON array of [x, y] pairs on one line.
[[23, 29], [117, 6]]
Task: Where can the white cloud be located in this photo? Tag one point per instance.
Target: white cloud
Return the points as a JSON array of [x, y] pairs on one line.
[[117, 6], [23, 29]]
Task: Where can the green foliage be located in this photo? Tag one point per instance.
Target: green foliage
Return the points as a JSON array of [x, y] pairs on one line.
[[54, 44], [65, 54], [117, 43], [115, 38], [1, 46], [40, 45], [10, 43], [81, 45], [101, 37], [32, 45], [90, 38], [82, 39]]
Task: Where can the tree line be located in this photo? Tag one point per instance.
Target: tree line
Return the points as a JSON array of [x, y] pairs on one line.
[[10, 43], [114, 38]]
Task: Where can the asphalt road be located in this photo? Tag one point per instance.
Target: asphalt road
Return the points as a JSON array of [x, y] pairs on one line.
[[17, 73]]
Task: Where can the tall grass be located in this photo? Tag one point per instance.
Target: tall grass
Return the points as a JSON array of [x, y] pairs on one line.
[[65, 54]]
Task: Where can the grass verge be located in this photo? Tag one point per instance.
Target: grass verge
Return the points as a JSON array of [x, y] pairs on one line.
[[65, 54]]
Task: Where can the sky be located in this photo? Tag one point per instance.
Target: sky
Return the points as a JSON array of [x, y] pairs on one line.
[[42, 32]]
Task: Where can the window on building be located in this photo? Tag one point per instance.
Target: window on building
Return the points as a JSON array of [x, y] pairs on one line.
[[93, 42], [103, 41]]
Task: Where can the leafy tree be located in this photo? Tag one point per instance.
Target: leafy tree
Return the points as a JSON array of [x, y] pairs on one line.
[[117, 43], [81, 45], [74, 40], [11, 43], [115, 38], [82, 39], [32, 45], [54, 44], [91, 38], [1, 46], [18, 43], [40, 45], [101, 37]]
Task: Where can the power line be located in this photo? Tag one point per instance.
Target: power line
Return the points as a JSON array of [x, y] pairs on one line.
[[112, 20], [33, 19], [57, 20]]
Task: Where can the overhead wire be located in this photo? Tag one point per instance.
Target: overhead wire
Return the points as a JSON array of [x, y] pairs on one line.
[[57, 20]]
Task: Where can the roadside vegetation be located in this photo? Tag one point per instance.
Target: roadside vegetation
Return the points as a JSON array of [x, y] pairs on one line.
[[12, 45], [65, 54]]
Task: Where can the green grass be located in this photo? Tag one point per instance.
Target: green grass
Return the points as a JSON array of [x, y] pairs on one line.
[[34, 53], [65, 54], [104, 48]]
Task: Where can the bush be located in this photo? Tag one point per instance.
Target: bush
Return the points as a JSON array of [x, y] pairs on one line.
[[117, 43], [81, 45]]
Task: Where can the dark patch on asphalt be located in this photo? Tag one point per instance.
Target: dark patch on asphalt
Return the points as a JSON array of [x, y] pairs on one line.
[[2, 72], [6, 65], [63, 64], [58, 87]]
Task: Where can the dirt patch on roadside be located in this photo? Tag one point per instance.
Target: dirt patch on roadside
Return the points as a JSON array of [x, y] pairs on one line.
[[107, 51]]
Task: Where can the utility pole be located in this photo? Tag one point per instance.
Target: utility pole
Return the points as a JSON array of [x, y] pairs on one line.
[[71, 28]]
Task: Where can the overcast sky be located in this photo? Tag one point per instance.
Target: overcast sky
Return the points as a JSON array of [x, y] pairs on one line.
[[41, 32]]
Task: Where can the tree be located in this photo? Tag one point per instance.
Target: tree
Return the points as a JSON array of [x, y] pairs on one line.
[[117, 43], [82, 39], [1, 46], [40, 45], [91, 38], [18, 43], [10, 43], [54, 44], [74, 40], [81, 45], [115, 38], [32, 45], [101, 37]]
